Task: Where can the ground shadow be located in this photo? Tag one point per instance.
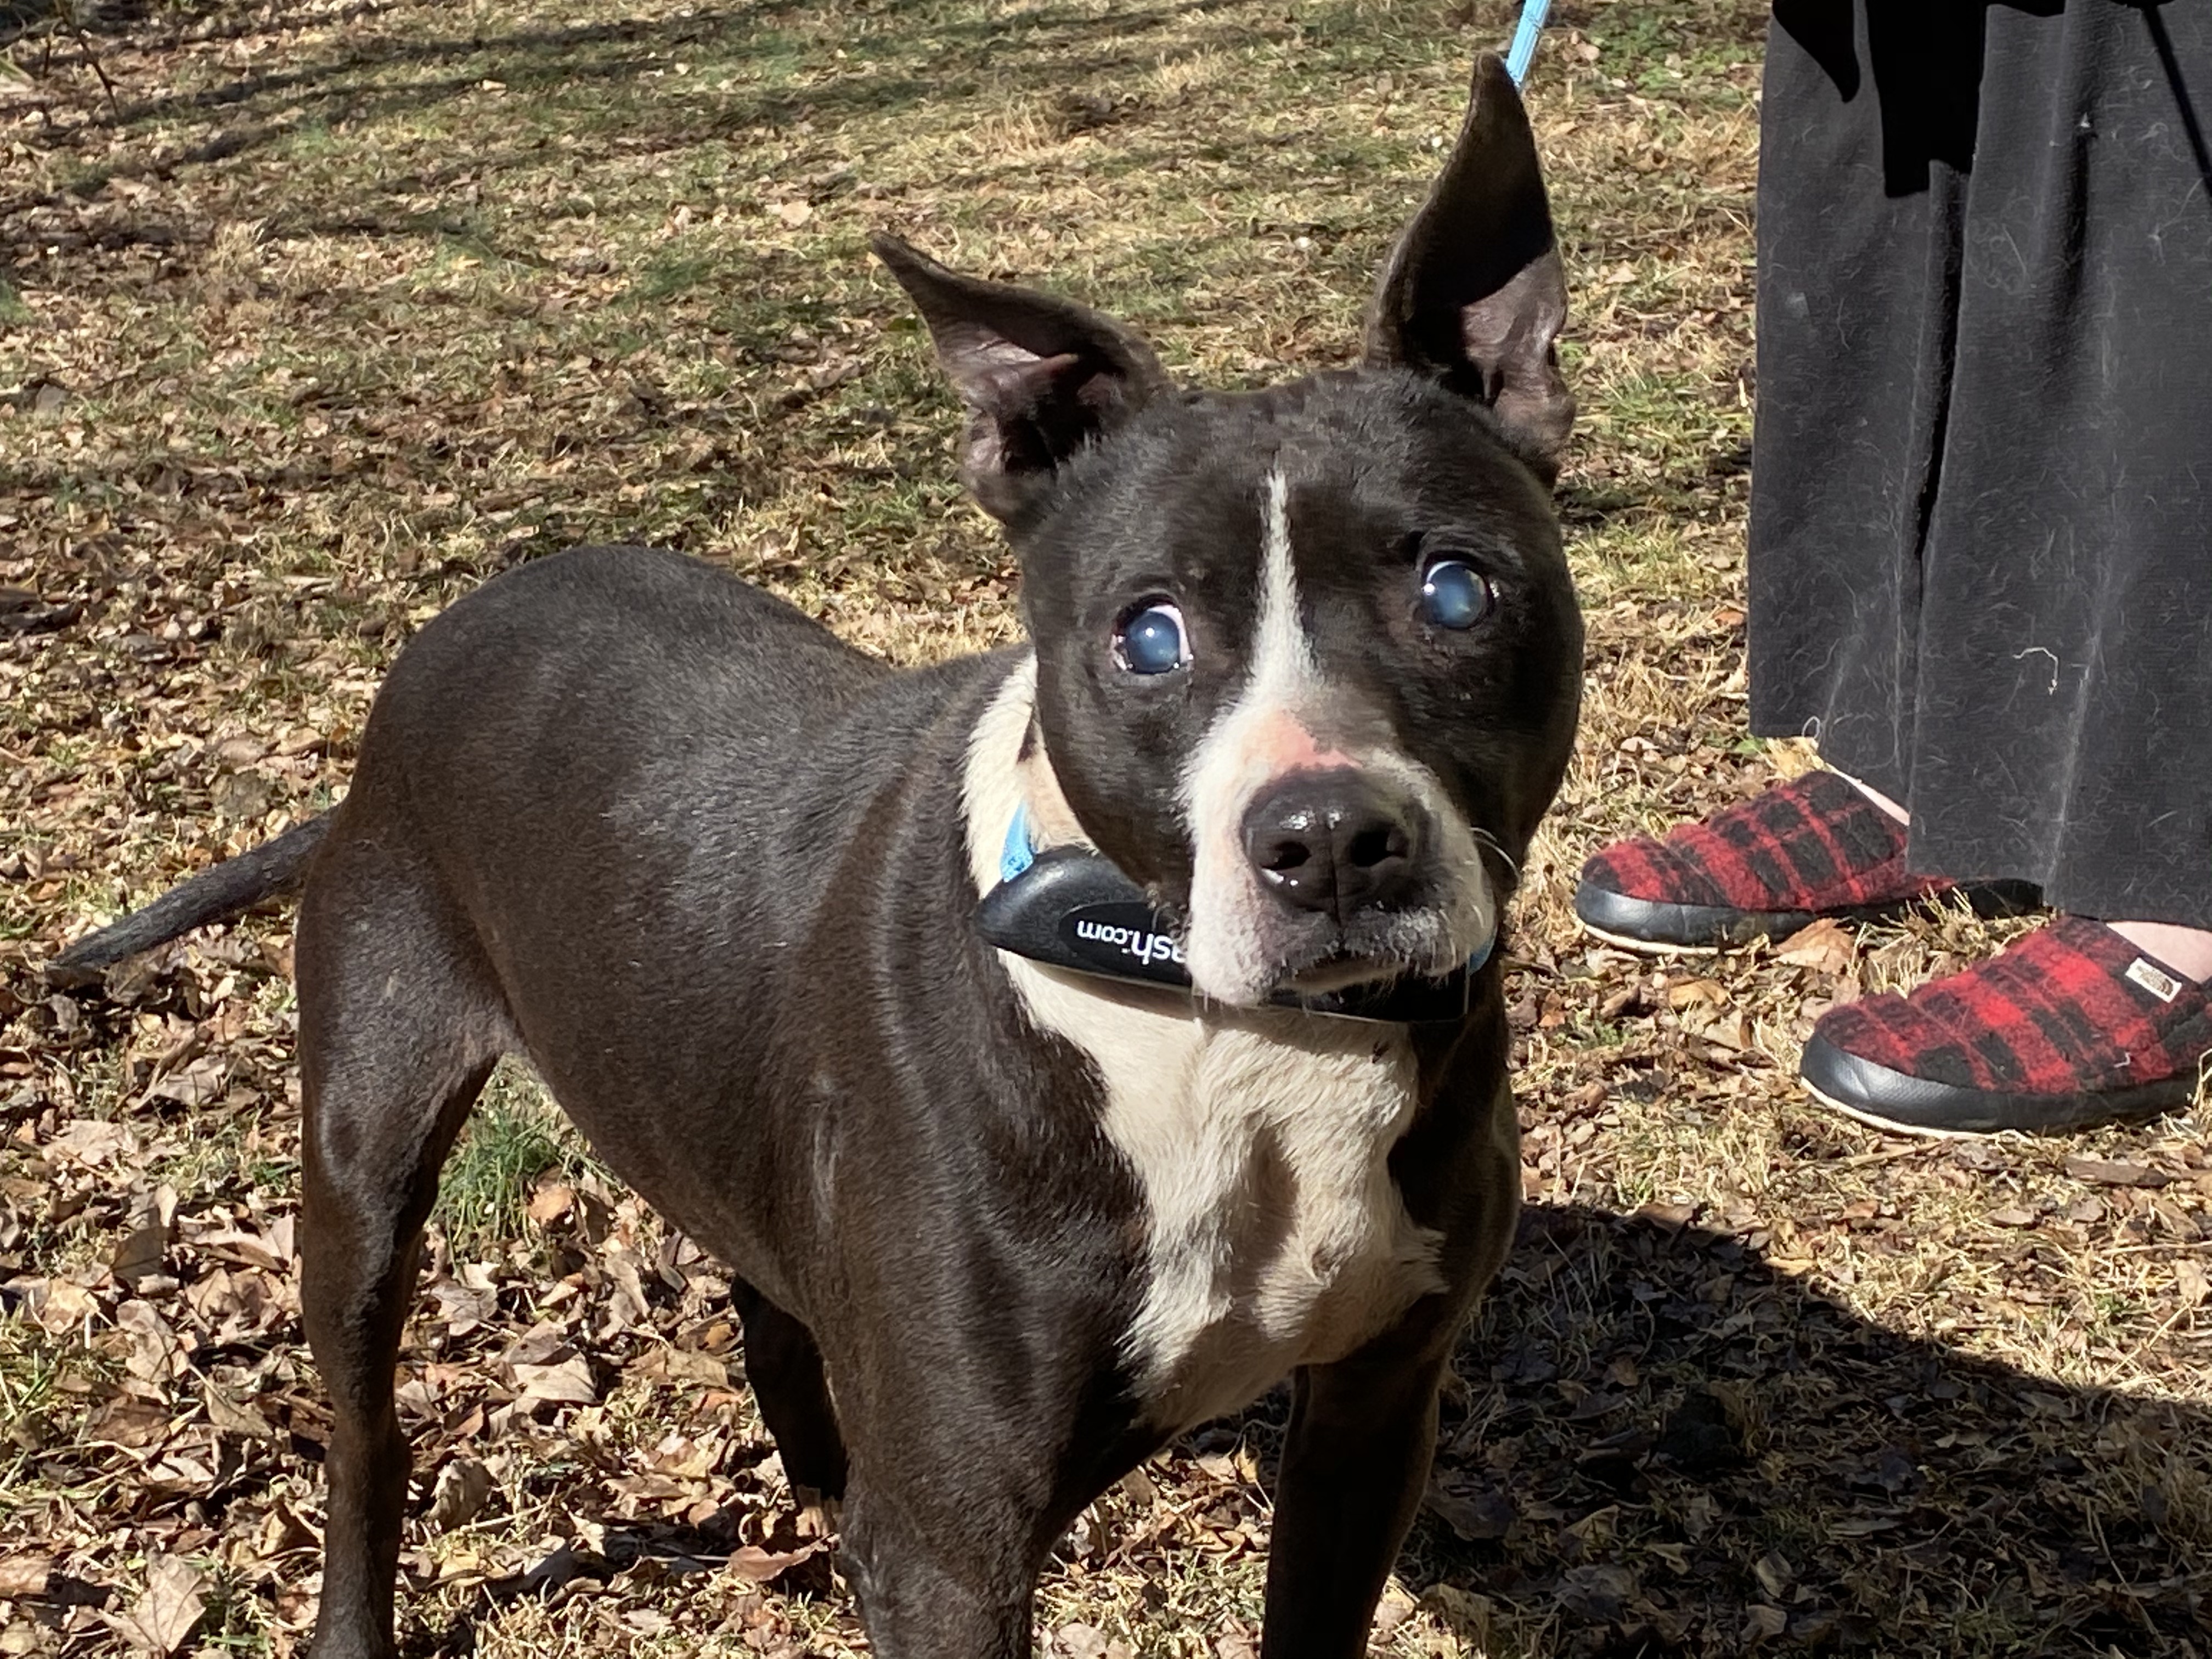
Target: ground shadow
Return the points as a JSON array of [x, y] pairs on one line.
[[1660, 1446], [1665, 1447], [341, 87], [643, 1554], [568, 79]]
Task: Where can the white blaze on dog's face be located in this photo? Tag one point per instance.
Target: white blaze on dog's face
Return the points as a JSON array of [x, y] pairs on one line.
[[1293, 735]]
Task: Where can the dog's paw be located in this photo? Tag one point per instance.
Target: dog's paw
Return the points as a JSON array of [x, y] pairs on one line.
[[817, 1515]]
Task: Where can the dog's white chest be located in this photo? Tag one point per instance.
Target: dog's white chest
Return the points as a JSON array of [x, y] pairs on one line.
[[1275, 1236]]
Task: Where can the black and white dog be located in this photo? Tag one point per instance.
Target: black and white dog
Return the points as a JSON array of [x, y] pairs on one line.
[[1304, 668]]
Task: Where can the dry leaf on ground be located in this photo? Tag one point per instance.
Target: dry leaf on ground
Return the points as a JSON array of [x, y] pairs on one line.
[[164, 1617]]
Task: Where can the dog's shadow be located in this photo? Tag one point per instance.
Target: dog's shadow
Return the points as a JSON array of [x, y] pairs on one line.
[[1659, 1444], [1664, 1445]]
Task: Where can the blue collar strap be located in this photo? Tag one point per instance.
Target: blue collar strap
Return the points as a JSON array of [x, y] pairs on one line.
[[1020, 852], [1073, 907]]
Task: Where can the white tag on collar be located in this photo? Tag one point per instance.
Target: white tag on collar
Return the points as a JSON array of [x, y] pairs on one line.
[[2155, 979]]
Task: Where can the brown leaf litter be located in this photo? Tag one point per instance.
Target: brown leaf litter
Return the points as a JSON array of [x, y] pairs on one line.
[[335, 311]]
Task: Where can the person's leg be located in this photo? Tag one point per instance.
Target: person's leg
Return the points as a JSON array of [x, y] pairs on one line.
[[1893, 808], [1861, 194], [1860, 220], [2186, 950], [2063, 720], [2062, 725]]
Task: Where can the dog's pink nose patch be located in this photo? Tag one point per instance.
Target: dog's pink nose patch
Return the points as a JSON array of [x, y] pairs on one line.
[[1283, 743]]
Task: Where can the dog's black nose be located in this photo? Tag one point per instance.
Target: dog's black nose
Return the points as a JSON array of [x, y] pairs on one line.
[[1333, 841]]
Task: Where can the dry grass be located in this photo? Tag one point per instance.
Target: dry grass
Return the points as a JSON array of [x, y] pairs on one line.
[[337, 308]]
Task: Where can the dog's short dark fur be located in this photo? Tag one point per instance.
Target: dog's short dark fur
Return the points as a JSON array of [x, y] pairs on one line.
[[1305, 664]]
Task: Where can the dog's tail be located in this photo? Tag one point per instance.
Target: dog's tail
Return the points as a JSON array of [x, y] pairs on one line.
[[232, 887]]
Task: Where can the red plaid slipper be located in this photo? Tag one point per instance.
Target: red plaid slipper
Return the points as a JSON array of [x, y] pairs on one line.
[[1764, 868], [2072, 1026]]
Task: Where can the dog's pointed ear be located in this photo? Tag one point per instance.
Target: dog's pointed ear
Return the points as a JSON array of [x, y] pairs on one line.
[[1474, 292], [1041, 376]]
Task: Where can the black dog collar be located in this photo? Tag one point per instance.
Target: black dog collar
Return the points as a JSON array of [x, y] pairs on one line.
[[1072, 908]]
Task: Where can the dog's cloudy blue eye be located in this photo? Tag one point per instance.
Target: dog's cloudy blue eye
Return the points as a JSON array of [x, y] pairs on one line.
[[1454, 594], [1151, 641]]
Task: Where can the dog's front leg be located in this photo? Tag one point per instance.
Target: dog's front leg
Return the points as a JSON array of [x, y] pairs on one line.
[[1354, 1466], [938, 1586]]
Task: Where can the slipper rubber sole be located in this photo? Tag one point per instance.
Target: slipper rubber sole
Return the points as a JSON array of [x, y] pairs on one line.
[[1661, 925], [1890, 1099]]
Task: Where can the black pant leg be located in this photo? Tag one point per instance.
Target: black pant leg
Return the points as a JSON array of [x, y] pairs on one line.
[[1866, 123], [1979, 566], [2063, 722]]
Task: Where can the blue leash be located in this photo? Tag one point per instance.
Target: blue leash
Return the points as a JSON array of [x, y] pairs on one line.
[[1532, 13]]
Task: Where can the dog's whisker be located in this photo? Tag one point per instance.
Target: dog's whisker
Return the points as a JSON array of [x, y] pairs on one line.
[[1485, 839]]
